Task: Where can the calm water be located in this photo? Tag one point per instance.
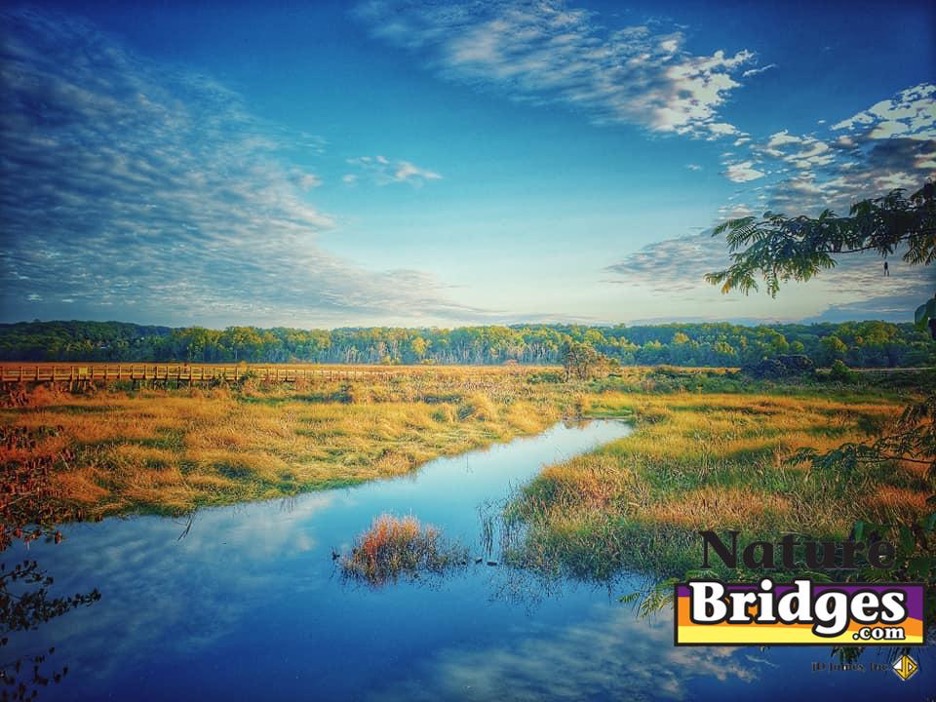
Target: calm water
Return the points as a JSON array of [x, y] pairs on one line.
[[248, 605]]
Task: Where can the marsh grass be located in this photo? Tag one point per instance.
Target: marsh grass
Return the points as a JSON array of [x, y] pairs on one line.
[[396, 547], [708, 461], [171, 451]]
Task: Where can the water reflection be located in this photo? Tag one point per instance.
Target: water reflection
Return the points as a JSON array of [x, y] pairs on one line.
[[607, 654], [25, 605]]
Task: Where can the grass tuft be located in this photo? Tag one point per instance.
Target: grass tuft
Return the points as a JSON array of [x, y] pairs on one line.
[[397, 547]]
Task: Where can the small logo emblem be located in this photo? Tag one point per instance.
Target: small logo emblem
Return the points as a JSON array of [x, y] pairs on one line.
[[905, 667]]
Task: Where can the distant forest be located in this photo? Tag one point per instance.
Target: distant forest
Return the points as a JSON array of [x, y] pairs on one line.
[[857, 344]]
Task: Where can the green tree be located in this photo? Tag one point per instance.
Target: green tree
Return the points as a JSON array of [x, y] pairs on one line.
[[419, 347], [778, 249], [580, 360], [834, 349]]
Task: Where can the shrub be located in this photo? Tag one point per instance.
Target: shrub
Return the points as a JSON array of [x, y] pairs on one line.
[[841, 373]]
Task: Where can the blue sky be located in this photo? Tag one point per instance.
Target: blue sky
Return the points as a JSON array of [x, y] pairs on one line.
[[323, 164]]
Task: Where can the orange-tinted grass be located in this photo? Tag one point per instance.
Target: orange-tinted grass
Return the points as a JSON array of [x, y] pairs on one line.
[[226, 446], [716, 461], [399, 546]]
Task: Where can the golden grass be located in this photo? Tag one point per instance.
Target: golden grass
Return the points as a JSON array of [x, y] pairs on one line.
[[729, 508], [715, 461], [696, 460], [173, 450]]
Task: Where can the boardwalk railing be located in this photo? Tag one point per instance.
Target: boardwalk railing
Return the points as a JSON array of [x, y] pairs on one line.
[[81, 374]]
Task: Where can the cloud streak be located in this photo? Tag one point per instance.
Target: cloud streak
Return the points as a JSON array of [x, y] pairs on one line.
[[382, 171], [547, 53], [126, 185]]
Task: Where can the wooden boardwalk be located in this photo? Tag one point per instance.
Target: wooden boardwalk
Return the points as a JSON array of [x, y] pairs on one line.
[[82, 374]]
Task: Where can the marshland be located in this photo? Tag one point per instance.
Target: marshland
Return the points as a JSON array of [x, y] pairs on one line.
[[489, 492]]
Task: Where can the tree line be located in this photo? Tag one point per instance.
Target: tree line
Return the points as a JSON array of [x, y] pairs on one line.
[[870, 344]]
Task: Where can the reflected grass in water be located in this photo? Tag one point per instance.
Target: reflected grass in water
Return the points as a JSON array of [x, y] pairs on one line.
[[396, 547]]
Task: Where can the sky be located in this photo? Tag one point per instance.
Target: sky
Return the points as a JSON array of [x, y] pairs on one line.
[[391, 163]]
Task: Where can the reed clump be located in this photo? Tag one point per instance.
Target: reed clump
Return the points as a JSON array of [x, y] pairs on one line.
[[395, 547]]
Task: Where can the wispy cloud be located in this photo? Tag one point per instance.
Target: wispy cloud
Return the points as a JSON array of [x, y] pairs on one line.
[[751, 72], [672, 264], [124, 184], [383, 171], [547, 53]]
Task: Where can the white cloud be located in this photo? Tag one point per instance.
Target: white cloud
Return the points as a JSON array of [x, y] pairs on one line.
[[722, 129], [782, 139], [890, 145], [910, 113], [885, 130], [308, 181], [743, 172], [750, 73], [547, 53], [382, 171]]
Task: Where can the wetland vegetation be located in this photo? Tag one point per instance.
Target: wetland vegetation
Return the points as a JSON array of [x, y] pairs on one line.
[[118, 451], [711, 461], [712, 449]]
